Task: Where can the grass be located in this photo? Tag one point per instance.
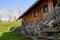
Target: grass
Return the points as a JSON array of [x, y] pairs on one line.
[[5, 27], [6, 34], [14, 35]]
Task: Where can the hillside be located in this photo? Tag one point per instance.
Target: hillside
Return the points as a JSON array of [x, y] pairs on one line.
[[6, 34]]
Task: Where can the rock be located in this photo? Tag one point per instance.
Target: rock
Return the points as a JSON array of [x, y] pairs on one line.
[[13, 28], [22, 32]]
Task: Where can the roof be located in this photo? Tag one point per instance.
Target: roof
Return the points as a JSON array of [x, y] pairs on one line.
[[30, 8]]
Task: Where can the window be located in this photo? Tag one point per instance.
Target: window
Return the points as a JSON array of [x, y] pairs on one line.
[[35, 14], [45, 8]]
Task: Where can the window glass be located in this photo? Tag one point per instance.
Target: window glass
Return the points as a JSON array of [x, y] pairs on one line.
[[45, 8], [35, 14]]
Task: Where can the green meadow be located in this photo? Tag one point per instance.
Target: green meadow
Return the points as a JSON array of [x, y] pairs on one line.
[[7, 34]]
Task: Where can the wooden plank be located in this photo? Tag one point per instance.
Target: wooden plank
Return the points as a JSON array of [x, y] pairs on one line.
[[51, 30]]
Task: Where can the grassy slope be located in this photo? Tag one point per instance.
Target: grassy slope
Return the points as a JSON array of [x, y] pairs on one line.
[[5, 27], [5, 34]]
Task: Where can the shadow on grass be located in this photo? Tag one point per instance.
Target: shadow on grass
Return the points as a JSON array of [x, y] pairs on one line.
[[13, 35]]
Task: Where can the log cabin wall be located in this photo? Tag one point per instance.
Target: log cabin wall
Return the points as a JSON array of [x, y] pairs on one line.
[[29, 16]]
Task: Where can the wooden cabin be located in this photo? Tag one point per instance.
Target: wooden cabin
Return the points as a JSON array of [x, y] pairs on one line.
[[38, 11]]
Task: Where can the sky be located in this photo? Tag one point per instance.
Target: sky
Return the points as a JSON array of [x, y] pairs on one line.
[[11, 4]]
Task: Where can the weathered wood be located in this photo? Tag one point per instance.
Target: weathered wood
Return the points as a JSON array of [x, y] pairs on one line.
[[34, 26], [51, 30]]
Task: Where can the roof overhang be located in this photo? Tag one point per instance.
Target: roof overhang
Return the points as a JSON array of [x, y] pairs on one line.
[[30, 8]]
